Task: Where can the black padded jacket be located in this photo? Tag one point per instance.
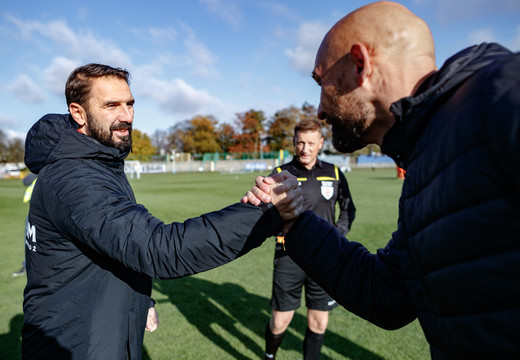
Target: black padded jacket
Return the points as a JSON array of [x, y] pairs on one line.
[[92, 251], [454, 260]]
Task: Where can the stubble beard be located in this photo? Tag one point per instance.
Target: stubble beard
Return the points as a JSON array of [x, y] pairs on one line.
[[96, 131], [349, 130]]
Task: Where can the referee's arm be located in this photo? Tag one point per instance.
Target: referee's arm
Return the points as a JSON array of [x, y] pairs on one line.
[[347, 210]]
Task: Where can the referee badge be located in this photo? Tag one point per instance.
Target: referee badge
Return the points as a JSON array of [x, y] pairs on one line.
[[327, 189]]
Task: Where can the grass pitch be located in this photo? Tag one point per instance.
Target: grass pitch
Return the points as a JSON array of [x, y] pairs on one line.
[[222, 313]]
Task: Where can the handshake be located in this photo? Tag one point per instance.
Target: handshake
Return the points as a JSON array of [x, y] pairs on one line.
[[283, 191]]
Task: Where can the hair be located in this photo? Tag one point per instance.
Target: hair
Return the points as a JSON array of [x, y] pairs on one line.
[[307, 125], [79, 82]]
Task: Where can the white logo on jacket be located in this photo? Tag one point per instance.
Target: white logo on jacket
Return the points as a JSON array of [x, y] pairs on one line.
[[327, 189], [30, 235]]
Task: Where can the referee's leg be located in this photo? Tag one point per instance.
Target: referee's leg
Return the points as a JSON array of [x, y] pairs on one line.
[[319, 303], [288, 281], [317, 321]]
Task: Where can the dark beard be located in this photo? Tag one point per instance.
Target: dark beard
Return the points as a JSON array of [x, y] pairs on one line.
[[349, 130], [96, 131], [347, 134]]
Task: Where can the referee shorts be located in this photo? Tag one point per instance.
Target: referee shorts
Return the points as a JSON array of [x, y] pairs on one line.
[[288, 280]]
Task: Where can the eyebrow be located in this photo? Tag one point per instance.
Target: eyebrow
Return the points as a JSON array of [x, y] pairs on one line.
[[111, 102]]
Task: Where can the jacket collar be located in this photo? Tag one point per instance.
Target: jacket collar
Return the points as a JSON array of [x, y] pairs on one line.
[[55, 137], [298, 165], [413, 113]]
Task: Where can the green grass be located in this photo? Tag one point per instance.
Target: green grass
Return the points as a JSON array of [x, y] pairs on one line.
[[221, 314]]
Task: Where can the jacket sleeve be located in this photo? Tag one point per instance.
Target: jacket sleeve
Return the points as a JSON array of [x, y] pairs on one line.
[[371, 286], [347, 210], [104, 219]]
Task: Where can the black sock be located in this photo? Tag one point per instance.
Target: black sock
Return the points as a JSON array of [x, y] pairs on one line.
[[272, 342], [312, 345]]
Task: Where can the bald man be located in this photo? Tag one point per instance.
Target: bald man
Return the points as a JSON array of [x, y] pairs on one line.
[[454, 260]]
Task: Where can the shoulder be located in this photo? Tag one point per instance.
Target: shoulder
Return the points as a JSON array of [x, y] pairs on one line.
[[326, 165], [288, 167], [495, 88], [329, 169], [74, 177], [499, 78]]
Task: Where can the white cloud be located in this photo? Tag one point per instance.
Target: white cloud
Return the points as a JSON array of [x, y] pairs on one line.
[[28, 91], [57, 72], [11, 134], [178, 97], [283, 11], [156, 35], [6, 122], [449, 11], [86, 47], [199, 56], [481, 35], [487, 35], [160, 35], [226, 10], [83, 13], [309, 37], [515, 44]]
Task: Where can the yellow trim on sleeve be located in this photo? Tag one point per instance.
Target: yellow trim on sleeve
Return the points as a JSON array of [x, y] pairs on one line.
[[28, 192]]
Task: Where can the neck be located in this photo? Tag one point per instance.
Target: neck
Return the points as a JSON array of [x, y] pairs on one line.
[[310, 165]]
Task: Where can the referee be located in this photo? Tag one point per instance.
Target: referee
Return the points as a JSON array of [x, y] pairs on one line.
[[323, 185]]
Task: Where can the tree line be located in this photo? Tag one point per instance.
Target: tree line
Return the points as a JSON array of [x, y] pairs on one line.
[[11, 149], [251, 132]]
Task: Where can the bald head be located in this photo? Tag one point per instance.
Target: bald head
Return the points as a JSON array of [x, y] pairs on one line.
[[384, 28], [369, 59]]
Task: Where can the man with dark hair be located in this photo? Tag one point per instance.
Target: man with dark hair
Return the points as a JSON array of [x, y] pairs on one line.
[[81, 84], [323, 186], [91, 250], [454, 260]]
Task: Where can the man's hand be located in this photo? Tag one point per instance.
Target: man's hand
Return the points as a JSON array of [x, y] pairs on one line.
[[282, 190], [152, 321], [262, 190]]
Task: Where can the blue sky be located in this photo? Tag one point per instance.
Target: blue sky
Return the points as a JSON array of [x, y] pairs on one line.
[[199, 57]]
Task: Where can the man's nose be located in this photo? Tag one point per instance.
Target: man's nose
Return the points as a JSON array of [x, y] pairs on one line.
[[126, 114]]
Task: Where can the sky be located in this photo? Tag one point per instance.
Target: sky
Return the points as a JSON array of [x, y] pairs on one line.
[[201, 57]]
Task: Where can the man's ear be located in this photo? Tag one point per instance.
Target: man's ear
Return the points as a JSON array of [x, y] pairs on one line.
[[79, 115], [361, 58]]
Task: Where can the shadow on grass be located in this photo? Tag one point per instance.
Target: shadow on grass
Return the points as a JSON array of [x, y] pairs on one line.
[[204, 303], [11, 342]]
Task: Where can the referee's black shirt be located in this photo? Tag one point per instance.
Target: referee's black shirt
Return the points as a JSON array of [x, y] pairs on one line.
[[322, 187]]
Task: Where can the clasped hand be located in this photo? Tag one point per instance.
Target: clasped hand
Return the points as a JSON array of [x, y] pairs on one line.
[[282, 190]]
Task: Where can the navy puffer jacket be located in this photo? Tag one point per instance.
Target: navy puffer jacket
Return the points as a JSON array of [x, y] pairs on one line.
[[92, 250], [454, 261]]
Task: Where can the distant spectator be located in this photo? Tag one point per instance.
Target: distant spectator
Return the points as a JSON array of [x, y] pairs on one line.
[[29, 180]]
